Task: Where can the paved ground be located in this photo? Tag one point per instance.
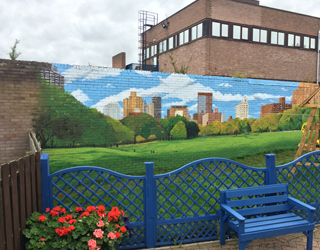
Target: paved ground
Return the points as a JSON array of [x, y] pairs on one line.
[[287, 242]]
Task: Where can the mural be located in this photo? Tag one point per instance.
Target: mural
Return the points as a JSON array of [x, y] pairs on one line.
[[94, 106]]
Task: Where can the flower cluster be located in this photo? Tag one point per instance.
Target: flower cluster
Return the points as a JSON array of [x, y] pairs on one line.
[[90, 228]]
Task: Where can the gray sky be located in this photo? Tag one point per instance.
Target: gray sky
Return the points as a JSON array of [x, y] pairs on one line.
[[82, 31]]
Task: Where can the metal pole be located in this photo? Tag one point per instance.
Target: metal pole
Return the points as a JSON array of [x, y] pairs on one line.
[[318, 58]]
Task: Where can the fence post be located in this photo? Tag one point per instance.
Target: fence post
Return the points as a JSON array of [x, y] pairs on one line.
[[271, 176], [45, 185], [150, 201]]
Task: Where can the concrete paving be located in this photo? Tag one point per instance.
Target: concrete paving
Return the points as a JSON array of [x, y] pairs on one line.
[[296, 241]]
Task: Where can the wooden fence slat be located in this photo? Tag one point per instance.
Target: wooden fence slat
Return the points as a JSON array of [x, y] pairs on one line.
[[2, 231], [28, 186], [15, 204], [33, 183], [7, 205], [22, 199], [38, 179]]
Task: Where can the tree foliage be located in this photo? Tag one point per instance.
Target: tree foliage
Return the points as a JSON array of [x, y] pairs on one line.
[[14, 54], [179, 131]]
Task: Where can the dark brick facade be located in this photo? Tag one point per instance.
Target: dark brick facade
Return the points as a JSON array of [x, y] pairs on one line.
[[226, 56], [275, 108]]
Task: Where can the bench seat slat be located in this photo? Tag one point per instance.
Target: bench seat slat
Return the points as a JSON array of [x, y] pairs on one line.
[[266, 218], [257, 201], [263, 210], [277, 226], [269, 189]]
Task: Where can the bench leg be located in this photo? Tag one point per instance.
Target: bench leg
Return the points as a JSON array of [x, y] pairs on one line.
[[243, 244], [222, 229], [309, 240]]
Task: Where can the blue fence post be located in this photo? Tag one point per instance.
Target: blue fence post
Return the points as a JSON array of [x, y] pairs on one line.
[[45, 185], [150, 201], [271, 176]]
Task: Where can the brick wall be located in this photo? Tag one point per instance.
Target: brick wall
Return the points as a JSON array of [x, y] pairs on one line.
[[18, 98]]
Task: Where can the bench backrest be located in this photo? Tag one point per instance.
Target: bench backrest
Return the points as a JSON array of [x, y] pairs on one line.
[[257, 200]]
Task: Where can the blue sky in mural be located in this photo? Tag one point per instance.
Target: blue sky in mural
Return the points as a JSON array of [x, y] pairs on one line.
[[98, 86]]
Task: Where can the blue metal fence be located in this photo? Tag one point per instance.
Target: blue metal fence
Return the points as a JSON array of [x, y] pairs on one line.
[[180, 206]]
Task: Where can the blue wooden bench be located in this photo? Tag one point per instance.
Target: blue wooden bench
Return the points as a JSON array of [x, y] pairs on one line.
[[261, 212]]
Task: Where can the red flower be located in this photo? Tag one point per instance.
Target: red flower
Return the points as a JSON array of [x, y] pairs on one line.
[[101, 208], [117, 225], [62, 219], [56, 209], [70, 228], [78, 209], [84, 214], [41, 218], [72, 221], [63, 210], [118, 235], [122, 212], [114, 214], [123, 229], [42, 239], [90, 209], [68, 217], [54, 213], [47, 210]]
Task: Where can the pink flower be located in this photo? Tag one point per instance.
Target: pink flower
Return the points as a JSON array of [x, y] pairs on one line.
[[100, 224], [98, 233], [111, 235], [92, 243]]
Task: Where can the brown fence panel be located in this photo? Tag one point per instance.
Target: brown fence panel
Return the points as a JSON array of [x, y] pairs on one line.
[[28, 186], [33, 182], [15, 204], [22, 199], [7, 205], [38, 178], [2, 230]]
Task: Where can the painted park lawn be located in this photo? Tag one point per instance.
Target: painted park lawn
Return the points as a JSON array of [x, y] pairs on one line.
[[171, 155]]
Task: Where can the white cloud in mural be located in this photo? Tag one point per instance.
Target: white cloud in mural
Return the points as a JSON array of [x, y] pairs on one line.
[[89, 72], [284, 89], [80, 96], [110, 86], [181, 87], [145, 73], [227, 85]]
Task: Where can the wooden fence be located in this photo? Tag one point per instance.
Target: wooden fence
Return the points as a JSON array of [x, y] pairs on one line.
[[20, 195]]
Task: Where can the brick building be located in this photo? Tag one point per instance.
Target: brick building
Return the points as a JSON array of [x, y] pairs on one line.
[[204, 105], [178, 110], [222, 37], [274, 108], [209, 118]]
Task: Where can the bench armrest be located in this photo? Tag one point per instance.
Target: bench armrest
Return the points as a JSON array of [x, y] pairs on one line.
[[300, 204], [232, 212]]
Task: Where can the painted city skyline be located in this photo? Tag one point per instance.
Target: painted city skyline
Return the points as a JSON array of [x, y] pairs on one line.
[[97, 87]]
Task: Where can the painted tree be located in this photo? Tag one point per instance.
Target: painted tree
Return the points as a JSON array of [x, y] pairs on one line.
[[179, 131]]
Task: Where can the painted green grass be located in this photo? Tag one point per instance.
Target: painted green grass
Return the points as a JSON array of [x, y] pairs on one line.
[[248, 149]]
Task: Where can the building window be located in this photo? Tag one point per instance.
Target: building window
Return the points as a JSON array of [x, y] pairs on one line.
[[306, 42], [290, 40], [155, 61], [240, 32], [196, 32], [184, 37], [297, 41], [163, 46], [312, 43], [170, 43], [259, 35], [277, 38], [153, 50], [220, 30], [176, 41]]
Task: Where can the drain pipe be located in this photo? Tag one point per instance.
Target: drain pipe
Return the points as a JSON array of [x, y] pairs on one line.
[[318, 58]]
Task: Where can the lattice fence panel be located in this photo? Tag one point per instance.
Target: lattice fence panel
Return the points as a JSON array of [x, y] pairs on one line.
[[194, 191], [91, 187]]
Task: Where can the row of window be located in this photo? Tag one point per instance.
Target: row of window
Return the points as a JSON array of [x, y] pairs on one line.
[[236, 32]]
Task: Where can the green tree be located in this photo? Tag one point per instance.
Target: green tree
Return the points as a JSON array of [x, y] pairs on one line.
[[179, 131], [139, 139], [192, 129], [14, 54]]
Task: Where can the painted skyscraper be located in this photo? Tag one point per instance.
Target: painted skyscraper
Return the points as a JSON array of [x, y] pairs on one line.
[[113, 110], [156, 107], [204, 105], [242, 109], [133, 104]]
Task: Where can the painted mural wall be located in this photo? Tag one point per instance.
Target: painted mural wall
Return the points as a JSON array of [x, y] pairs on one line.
[[108, 90]]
